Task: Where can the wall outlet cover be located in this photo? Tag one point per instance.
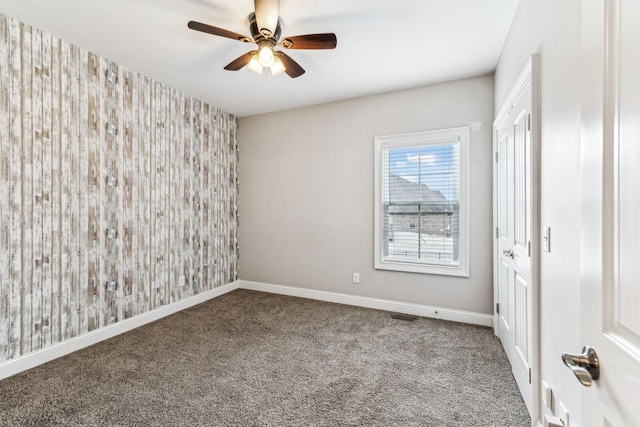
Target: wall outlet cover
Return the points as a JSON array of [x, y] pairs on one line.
[[547, 395]]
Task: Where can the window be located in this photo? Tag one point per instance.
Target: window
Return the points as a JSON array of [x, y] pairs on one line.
[[421, 202]]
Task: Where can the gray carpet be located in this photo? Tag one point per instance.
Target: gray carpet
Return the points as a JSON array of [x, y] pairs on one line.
[[256, 359]]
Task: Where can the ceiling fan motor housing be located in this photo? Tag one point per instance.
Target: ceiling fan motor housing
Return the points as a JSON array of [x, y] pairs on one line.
[[264, 34]]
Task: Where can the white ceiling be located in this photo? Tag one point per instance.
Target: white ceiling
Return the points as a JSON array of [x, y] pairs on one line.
[[383, 45]]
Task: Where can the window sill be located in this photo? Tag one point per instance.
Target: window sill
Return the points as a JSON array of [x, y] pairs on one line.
[[408, 267]]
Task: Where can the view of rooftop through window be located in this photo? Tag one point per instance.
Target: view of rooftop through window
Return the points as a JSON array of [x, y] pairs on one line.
[[432, 165], [421, 203]]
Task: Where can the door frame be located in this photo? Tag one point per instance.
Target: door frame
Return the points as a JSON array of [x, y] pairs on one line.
[[529, 74]]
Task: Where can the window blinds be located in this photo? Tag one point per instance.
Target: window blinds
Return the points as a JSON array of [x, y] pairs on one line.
[[420, 194]]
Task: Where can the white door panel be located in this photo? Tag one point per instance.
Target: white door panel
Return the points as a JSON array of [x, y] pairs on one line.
[[514, 213], [610, 229], [522, 321], [503, 283], [627, 153], [520, 179]]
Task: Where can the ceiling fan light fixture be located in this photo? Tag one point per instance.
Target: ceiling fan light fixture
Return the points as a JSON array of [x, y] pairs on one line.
[[277, 68], [255, 65], [266, 27], [266, 54]]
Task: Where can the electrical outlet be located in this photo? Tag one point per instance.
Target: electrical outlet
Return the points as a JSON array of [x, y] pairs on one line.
[[356, 277], [563, 414], [547, 395], [551, 421]]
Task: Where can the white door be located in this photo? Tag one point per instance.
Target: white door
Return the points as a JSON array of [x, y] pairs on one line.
[[610, 218], [513, 232]]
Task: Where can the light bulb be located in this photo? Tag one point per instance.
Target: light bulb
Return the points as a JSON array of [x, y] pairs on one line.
[[255, 65], [277, 68], [265, 53]]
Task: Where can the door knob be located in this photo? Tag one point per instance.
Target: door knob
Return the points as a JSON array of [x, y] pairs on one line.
[[585, 366], [508, 253]]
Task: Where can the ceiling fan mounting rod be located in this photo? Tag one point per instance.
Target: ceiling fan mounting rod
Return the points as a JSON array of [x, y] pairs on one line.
[[259, 36], [267, 16]]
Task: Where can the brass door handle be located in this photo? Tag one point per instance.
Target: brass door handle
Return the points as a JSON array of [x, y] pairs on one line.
[[585, 366]]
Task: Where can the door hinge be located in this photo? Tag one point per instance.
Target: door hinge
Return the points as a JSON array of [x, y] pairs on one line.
[[496, 157], [529, 248], [529, 375], [529, 122], [497, 308], [497, 232]]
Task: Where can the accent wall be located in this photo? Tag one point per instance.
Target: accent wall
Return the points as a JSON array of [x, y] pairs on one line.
[[118, 194]]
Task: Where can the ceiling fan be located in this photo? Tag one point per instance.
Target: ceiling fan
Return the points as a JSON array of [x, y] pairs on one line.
[[264, 25]]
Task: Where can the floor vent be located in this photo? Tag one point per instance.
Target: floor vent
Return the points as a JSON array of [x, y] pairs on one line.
[[404, 317]]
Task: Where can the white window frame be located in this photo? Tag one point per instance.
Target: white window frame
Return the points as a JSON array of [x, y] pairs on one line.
[[416, 139]]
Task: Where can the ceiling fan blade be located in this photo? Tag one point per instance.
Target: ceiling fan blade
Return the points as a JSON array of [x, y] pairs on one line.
[[311, 41], [267, 12], [210, 29], [291, 67], [241, 61]]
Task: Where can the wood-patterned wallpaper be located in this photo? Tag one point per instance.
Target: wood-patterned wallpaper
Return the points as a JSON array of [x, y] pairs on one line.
[[118, 195]]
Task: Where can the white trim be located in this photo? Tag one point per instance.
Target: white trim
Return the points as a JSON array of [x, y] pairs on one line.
[[439, 136], [375, 303], [494, 233], [516, 91], [536, 147], [529, 75], [31, 360]]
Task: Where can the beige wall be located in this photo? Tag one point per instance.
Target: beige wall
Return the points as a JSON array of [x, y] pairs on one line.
[[117, 194], [553, 29], [306, 194]]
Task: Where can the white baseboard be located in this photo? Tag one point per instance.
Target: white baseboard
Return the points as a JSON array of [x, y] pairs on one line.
[[380, 304], [31, 360]]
